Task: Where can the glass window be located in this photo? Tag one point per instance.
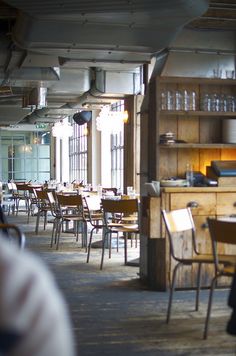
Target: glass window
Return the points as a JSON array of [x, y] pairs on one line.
[[24, 155], [117, 152], [78, 153]]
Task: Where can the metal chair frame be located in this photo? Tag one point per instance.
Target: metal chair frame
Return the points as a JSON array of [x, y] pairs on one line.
[[223, 232], [71, 208], [114, 211]]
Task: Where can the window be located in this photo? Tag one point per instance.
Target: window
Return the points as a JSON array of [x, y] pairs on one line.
[[78, 153], [24, 156], [117, 152]]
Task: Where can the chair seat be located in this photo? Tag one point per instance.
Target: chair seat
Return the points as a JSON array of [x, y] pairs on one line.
[[124, 228], [206, 258], [72, 217]]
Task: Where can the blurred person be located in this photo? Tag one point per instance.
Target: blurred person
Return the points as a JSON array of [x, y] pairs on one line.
[[34, 319]]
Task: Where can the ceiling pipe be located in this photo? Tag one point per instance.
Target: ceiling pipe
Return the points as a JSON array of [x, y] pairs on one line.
[[40, 114]]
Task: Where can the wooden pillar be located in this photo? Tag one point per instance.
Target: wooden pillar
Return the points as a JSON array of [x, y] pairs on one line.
[[132, 142]]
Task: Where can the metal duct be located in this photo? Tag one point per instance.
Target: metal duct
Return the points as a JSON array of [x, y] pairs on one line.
[[104, 84], [36, 98]]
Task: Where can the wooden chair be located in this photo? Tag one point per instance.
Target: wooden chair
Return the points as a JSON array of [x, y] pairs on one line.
[[56, 213], [43, 206], [223, 233], [114, 211], [22, 194], [13, 233], [178, 223], [94, 217], [71, 208], [32, 199]]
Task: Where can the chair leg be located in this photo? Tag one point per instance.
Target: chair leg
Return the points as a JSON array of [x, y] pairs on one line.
[[59, 233], [198, 286], [103, 248], [125, 247], [37, 222], [110, 244], [213, 284], [85, 235], [54, 231], [45, 219], [90, 243], [172, 292], [28, 218]]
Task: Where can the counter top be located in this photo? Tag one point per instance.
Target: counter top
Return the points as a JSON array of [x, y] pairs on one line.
[[197, 189]]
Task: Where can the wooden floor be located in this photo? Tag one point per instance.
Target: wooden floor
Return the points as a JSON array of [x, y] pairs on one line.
[[114, 314]]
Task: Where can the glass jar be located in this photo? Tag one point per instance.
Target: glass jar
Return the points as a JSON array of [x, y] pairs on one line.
[[169, 100], [186, 101], [178, 100], [189, 175], [163, 101], [192, 101]]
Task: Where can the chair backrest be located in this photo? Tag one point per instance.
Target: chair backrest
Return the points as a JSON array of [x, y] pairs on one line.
[[53, 203], [71, 202], [22, 186], [177, 222], [41, 194], [41, 198], [93, 203], [13, 234], [221, 231], [12, 186], [129, 206]]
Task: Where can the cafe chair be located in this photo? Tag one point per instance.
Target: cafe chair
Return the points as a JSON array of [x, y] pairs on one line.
[[180, 223], [114, 211], [22, 195], [13, 234], [56, 214], [223, 233], [43, 207], [71, 209], [94, 217], [32, 200]]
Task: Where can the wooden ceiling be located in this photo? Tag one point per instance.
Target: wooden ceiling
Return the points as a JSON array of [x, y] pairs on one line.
[[221, 15]]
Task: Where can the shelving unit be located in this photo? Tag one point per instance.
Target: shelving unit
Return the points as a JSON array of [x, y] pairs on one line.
[[200, 141], [200, 131]]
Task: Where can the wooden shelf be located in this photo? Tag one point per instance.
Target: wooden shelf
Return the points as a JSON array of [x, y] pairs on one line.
[[198, 113], [189, 80], [198, 145]]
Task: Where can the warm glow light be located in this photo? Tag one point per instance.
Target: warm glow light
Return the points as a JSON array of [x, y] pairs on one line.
[[26, 149], [62, 129], [125, 117], [111, 121], [86, 131]]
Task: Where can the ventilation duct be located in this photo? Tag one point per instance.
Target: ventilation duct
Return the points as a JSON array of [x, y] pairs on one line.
[[36, 98]]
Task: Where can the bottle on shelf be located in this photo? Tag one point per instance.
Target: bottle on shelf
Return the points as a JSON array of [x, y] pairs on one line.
[[163, 100], [192, 101], [215, 102], [189, 175], [169, 100], [178, 100], [206, 102], [186, 101]]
